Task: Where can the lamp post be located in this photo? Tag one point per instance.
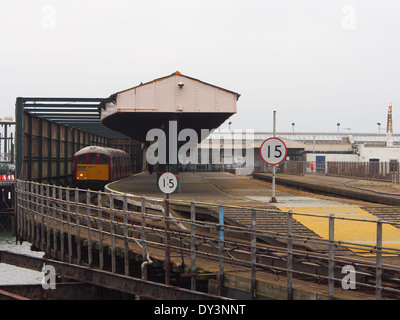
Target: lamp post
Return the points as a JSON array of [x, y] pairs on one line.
[[293, 126], [379, 127], [338, 127]]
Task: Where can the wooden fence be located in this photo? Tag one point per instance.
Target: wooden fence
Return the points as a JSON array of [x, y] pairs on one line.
[[381, 171]]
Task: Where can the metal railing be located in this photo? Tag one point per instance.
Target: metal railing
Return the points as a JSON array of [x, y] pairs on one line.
[[65, 221]]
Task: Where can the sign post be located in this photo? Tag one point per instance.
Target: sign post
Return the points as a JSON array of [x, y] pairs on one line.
[[239, 161], [273, 151], [167, 183]]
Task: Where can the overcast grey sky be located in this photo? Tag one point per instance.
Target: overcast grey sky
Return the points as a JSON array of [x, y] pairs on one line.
[[315, 62]]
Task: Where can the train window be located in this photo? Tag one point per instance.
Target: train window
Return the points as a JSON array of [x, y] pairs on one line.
[[82, 159], [81, 168], [92, 158], [103, 159]]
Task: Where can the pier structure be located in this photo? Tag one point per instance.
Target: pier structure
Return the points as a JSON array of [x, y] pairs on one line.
[[217, 238]]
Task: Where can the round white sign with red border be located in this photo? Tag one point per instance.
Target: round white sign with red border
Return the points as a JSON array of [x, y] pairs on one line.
[[273, 151], [167, 182]]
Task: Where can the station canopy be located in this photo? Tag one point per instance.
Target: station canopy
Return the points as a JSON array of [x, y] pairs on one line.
[[79, 113]]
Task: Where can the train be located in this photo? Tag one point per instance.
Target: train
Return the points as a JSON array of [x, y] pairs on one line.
[[95, 166], [7, 171]]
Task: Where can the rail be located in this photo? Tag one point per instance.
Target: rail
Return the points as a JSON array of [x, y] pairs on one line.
[[127, 223]]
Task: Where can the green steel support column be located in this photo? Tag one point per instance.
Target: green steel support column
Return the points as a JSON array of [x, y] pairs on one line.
[[19, 131], [50, 153], [79, 140], [66, 155], [40, 164], [58, 153], [29, 155], [5, 139], [12, 149], [73, 142]]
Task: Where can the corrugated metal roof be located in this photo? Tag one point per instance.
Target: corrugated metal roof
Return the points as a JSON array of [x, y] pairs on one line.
[[79, 113], [366, 138], [304, 137], [174, 74]]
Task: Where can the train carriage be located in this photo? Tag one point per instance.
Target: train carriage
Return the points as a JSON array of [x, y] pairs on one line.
[[96, 166]]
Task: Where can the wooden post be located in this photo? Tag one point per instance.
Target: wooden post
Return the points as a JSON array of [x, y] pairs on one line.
[[167, 251], [221, 250], [28, 212], [253, 252], [144, 244], [61, 215], [37, 209], [69, 226], [126, 244], [100, 226], [112, 231], [53, 189], [378, 292], [42, 231], [48, 220], [78, 234], [290, 255], [193, 245], [88, 219], [331, 267]]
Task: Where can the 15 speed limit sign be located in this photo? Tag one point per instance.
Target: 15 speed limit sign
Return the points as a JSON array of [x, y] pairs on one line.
[[273, 151], [167, 182]]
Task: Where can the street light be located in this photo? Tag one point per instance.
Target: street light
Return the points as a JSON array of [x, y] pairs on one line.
[[338, 126], [293, 126], [379, 127]]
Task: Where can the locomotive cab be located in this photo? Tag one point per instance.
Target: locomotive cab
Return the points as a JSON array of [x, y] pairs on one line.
[[97, 166]]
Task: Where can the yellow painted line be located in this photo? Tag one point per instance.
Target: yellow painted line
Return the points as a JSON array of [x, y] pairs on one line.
[[357, 232]]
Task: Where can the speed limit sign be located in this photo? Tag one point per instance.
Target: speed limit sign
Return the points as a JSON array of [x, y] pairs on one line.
[[167, 182], [273, 151]]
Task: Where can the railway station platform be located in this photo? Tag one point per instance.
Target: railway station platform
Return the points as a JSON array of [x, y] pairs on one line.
[[310, 195], [377, 192], [256, 190]]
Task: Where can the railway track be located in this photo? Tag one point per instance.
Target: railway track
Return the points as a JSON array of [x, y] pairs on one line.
[[311, 264], [390, 214]]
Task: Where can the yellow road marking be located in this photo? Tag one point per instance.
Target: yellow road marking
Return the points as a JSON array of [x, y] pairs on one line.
[[358, 232]]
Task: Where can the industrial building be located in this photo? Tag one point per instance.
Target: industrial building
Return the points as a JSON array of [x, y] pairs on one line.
[[313, 150], [310, 147]]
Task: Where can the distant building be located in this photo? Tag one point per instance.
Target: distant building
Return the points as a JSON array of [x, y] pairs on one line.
[[308, 147], [316, 149]]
